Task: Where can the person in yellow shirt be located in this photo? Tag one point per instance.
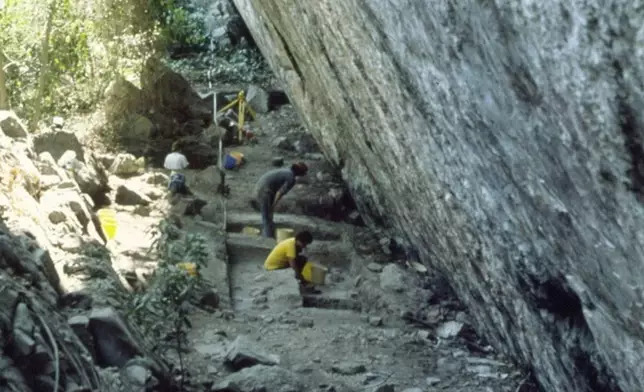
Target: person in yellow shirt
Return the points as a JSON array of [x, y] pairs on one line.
[[288, 254]]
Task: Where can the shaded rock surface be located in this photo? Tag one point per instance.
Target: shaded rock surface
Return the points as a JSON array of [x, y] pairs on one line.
[[519, 179], [166, 109], [54, 269], [260, 378]]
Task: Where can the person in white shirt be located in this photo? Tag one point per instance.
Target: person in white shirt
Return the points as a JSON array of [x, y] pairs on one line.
[[176, 162]]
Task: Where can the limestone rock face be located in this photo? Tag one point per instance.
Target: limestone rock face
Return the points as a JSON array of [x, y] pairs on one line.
[[503, 140]]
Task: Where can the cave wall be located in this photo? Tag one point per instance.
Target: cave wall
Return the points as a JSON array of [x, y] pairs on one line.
[[503, 140]]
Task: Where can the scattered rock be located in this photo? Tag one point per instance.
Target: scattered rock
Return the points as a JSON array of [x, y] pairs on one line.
[[114, 340], [71, 243], [374, 267], [142, 210], [431, 381], [314, 156], [323, 176], [92, 179], [375, 321], [412, 390], [277, 161], [282, 143], [136, 376], [210, 299], [129, 197], [260, 378], [157, 179], [449, 329], [57, 217], [126, 165], [194, 207], [11, 125], [385, 388], [392, 278], [355, 218], [370, 378], [80, 325], [306, 322], [348, 368], [306, 144], [243, 353], [257, 97], [423, 334]]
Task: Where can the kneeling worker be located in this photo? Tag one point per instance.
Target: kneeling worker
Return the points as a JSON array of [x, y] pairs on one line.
[[177, 163], [288, 254]]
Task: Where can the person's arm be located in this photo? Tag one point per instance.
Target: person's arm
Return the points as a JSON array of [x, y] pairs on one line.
[[278, 196], [288, 185], [297, 268]]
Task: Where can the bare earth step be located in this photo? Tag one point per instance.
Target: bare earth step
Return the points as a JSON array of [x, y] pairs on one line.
[[321, 229], [242, 240]]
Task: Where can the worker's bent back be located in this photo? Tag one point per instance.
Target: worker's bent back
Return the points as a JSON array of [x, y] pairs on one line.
[[280, 256]]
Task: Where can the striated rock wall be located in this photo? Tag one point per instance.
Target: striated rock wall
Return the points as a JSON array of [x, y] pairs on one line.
[[503, 140]]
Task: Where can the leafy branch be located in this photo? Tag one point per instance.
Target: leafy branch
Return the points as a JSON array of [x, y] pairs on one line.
[[166, 302]]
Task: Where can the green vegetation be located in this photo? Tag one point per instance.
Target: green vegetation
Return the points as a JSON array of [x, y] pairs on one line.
[[162, 305], [58, 57]]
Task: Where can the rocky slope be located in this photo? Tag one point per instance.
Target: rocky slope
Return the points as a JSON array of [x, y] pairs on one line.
[[61, 323], [502, 142]]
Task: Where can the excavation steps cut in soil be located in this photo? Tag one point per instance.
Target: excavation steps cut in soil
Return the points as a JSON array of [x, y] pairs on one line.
[[252, 288], [326, 300], [321, 229]]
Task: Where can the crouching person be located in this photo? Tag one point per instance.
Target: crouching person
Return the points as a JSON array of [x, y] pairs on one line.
[[176, 162], [288, 254]]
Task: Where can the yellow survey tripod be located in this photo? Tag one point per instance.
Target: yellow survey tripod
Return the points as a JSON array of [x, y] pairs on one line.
[[242, 107]]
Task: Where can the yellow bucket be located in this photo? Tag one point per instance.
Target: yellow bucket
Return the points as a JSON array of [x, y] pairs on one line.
[[249, 230], [190, 268], [107, 218], [314, 273], [284, 234]]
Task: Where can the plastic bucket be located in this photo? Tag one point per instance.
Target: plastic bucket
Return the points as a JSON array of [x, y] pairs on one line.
[[249, 230], [107, 218], [284, 234], [233, 160], [314, 273], [190, 268]]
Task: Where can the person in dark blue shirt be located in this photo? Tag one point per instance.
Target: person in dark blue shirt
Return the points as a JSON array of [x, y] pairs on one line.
[[271, 187]]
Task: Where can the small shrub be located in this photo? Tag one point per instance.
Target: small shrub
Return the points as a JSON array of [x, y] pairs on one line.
[[160, 311]]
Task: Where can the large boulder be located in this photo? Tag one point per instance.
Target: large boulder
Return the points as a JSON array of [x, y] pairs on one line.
[[90, 175], [126, 165], [57, 142], [11, 125], [147, 121], [168, 91], [122, 97], [504, 141]]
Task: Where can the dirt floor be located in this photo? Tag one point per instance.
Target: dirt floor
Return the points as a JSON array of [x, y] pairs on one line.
[[378, 325]]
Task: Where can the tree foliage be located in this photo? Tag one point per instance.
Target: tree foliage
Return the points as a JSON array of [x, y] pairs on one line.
[[58, 57]]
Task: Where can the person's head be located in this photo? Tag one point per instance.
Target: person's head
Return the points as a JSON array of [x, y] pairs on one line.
[[299, 169], [176, 146], [303, 238]]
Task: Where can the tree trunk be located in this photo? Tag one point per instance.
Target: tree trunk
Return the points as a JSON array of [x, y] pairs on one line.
[[44, 68], [4, 97]]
